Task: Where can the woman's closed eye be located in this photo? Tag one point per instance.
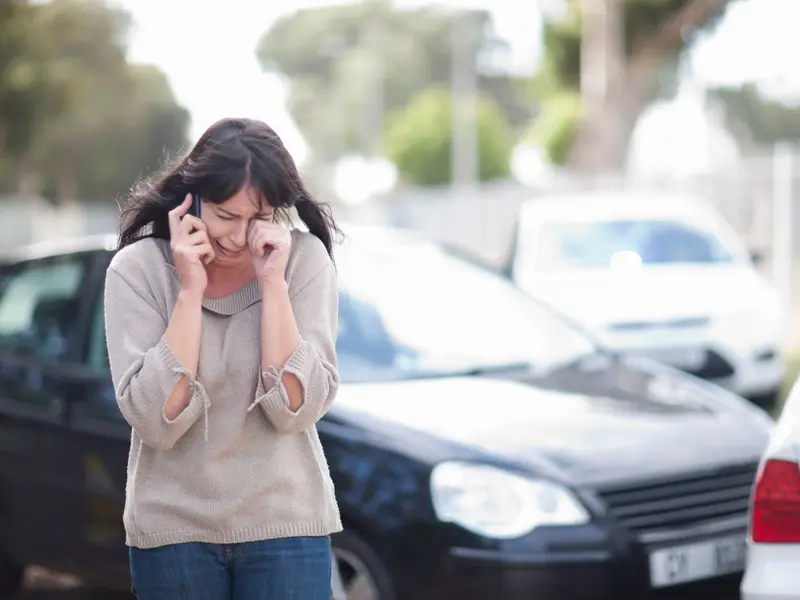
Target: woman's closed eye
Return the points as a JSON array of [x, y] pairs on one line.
[[263, 217]]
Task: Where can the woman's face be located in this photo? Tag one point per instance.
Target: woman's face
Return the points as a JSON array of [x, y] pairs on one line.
[[228, 224]]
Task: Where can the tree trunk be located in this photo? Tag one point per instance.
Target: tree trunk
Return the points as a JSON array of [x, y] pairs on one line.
[[29, 183], [602, 83], [615, 90], [67, 188]]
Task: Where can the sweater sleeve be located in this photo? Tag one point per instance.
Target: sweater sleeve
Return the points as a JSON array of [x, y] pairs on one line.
[[313, 362], [143, 367]]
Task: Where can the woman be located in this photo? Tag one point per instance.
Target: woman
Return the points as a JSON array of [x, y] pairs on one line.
[[221, 334]]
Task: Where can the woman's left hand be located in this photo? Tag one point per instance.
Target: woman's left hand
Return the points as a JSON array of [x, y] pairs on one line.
[[270, 244]]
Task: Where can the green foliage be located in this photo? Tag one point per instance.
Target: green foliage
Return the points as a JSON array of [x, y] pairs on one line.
[[756, 120], [559, 78], [643, 20], [554, 129], [346, 62], [74, 114], [561, 61], [419, 141]]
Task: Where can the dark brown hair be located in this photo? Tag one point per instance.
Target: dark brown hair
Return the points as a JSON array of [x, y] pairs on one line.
[[231, 154]]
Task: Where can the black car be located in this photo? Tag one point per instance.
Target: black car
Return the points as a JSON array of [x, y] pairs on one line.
[[480, 447]]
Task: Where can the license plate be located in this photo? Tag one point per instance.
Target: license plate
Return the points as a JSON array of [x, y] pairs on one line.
[[681, 564]]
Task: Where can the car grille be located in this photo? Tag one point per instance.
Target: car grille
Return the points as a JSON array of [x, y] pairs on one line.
[[715, 367], [680, 323], [682, 501]]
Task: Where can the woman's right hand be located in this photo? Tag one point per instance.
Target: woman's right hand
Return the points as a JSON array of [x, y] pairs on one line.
[[191, 248]]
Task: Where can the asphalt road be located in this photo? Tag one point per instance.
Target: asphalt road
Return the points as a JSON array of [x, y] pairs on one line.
[[42, 585], [73, 594]]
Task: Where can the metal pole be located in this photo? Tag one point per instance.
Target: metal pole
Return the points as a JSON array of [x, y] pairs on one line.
[[373, 117], [782, 221], [463, 90], [464, 136]]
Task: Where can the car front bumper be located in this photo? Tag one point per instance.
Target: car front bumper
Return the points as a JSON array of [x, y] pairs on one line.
[[603, 571], [749, 370]]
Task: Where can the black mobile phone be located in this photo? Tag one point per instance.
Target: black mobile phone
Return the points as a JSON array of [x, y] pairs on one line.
[[195, 209]]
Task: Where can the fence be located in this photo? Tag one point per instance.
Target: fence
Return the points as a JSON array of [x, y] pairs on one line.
[[759, 195]]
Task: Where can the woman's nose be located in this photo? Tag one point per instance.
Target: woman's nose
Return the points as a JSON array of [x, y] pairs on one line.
[[240, 233]]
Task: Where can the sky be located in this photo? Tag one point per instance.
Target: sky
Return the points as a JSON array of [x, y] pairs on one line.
[[208, 54]]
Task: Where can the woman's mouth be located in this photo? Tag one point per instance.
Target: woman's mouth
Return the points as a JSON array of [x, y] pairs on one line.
[[228, 251]]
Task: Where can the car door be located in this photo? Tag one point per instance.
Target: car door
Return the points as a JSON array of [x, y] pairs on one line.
[[42, 321], [99, 434]]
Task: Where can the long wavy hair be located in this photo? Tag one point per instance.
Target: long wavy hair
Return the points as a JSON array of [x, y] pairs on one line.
[[231, 154]]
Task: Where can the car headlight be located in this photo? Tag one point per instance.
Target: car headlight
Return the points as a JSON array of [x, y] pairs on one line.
[[499, 504]]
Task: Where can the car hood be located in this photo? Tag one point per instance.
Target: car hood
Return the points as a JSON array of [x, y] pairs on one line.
[[653, 294], [633, 423]]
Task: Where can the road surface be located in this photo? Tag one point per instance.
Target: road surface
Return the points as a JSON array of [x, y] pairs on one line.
[[42, 585]]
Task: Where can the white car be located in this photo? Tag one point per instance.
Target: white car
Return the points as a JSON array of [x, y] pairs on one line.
[[773, 542], [660, 275]]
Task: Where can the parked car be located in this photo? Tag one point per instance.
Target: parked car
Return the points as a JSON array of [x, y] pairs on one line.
[[657, 274], [480, 447], [774, 531]]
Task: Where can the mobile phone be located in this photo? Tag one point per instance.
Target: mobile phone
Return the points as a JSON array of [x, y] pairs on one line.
[[195, 209]]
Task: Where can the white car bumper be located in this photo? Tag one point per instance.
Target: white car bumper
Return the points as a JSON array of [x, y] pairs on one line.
[[749, 368], [754, 374], [772, 572]]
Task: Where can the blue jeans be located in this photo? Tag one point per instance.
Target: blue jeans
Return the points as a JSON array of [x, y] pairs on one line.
[[280, 569]]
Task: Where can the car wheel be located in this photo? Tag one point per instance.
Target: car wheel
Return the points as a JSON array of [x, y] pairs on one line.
[[361, 570], [11, 576]]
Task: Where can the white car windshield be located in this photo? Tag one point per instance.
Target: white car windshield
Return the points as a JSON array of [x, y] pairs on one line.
[[581, 244], [410, 310]]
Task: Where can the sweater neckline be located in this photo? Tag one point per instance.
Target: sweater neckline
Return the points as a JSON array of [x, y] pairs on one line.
[[235, 301], [228, 305]]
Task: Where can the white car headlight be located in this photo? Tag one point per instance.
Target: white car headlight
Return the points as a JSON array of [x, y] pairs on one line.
[[499, 504]]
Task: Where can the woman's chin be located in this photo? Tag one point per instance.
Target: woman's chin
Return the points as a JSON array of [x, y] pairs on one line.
[[224, 259]]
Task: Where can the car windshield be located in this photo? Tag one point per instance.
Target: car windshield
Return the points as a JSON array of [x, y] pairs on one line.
[[410, 310], [581, 244]]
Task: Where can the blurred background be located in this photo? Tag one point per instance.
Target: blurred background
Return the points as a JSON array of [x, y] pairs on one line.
[[445, 118], [372, 96]]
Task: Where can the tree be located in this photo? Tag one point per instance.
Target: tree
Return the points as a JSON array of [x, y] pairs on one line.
[[28, 87], [348, 64], [102, 148], [617, 56], [419, 139], [76, 119], [755, 120]]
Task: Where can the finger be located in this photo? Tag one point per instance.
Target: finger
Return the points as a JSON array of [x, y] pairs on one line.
[[197, 238], [255, 240], [196, 251], [251, 234], [190, 222], [273, 239], [255, 228], [261, 244], [176, 213], [205, 252]]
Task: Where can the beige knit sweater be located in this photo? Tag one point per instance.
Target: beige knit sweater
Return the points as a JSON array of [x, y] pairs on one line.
[[222, 472]]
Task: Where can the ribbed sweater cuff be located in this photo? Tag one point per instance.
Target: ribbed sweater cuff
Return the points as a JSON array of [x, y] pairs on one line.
[[271, 395], [199, 401]]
